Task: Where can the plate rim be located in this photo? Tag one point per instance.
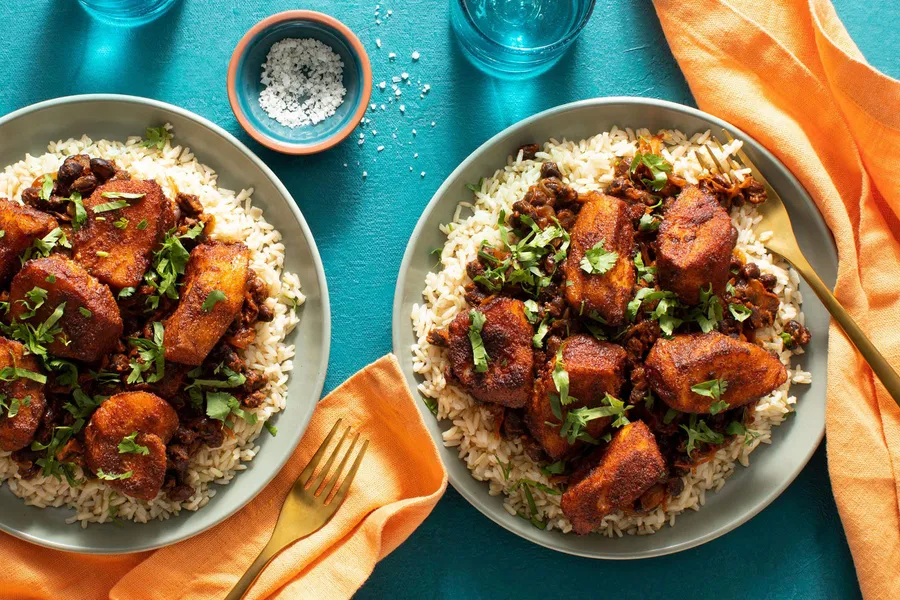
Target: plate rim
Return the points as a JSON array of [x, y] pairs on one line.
[[321, 369], [398, 318]]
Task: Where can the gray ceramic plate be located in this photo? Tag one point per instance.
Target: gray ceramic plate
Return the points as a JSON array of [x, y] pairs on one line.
[[772, 468], [116, 117]]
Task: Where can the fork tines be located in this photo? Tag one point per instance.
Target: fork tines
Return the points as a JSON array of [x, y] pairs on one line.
[[323, 485]]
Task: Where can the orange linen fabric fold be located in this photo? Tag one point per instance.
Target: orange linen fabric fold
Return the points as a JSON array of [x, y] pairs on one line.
[[398, 484], [787, 72]]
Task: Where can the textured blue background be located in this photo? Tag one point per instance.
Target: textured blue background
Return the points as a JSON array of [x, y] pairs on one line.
[[794, 549]]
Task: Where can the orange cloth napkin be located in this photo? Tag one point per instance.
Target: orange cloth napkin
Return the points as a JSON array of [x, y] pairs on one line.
[[398, 484], [787, 72]]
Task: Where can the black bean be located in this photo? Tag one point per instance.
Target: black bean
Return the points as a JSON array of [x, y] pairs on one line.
[[69, 171], [103, 169], [750, 271], [550, 169], [768, 280], [85, 185]]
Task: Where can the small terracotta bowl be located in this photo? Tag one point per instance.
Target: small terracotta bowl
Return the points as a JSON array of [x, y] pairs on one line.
[[244, 85]]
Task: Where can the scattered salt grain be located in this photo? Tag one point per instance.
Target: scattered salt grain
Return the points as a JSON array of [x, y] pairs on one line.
[[404, 76], [303, 82], [392, 55], [416, 55], [402, 108], [423, 174], [380, 148], [382, 85], [378, 42], [365, 174]]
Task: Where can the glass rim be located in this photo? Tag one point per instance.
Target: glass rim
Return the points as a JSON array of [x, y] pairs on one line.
[[561, 42]]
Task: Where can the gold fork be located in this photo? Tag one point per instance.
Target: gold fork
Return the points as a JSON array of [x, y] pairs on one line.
[[775, 218], [306, 509]]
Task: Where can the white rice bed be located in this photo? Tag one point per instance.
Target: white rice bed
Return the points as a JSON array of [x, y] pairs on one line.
[[177, 170], [586, 165]]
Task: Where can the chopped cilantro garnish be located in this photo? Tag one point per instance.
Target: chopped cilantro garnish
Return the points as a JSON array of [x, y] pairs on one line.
[[644, 272], [714, 388], [142, 225], [80, 212], [46, 187], [717, 407], [273, 431], [598, 260], [538, 339], [658, 168], [101, 253], [475, 187], [156, 137], [14, 373], [561, 380], [126, 292], [219, 405], [168, 264], [648, 222], [125, 195], [577, 419], [699, 431], [152, 354], [740, 312], [212, 299], [479, 353], [85, 312], [43, 246], [786, 339], [108, 206], [121, 223], [531, 311], [709, 311], [129, 445], [113, 476]]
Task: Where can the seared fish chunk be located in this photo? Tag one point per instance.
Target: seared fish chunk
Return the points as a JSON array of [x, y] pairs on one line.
[[602, 219], [694, 245], [627, 467], [21, 394], [595, 369], [91, 323], [674, 366], [507, 335], [116, 246], [21, 225], [153, 421], [215, 282]]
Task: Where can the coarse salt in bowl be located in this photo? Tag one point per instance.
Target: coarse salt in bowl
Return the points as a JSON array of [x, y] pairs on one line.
[[298, 114]]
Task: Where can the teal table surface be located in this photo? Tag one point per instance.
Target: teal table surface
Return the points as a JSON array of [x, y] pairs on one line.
[[793, 549]]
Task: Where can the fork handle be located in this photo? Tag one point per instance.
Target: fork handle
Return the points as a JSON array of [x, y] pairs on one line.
[[880, 366], [276, 544], [249, 578]]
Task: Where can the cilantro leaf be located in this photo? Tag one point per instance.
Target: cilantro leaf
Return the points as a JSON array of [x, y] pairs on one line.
[[658, 168], [699, 431], [714, 388], [126, 195], [740, 312], [128, 445], [717, 407], [598, 260], [113, 476], [156, 137], [479, 353], [14, 373], [561, 379], [212, 299], [108, 206], [152, 354]]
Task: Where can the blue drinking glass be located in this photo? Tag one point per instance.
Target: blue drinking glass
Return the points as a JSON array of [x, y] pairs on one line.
[[518, 38], [126, 13]]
